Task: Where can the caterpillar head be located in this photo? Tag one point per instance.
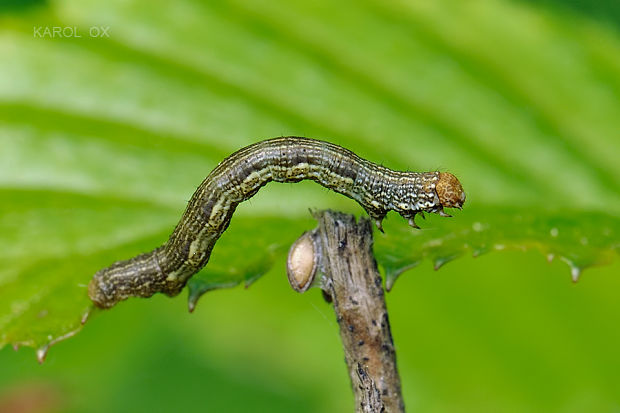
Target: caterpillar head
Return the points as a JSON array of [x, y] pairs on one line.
[[450, 191]]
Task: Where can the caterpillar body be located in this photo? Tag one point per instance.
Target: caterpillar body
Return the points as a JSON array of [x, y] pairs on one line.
[[376, 188]]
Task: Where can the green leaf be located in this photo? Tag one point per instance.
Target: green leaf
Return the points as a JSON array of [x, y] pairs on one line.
[[581, 239], [245, 252], [51, 257], [104, 139]]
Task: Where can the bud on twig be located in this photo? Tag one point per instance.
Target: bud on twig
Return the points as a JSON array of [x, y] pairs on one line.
[[302, 263]]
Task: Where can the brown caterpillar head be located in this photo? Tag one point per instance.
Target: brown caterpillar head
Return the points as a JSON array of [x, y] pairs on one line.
[[450, 191]]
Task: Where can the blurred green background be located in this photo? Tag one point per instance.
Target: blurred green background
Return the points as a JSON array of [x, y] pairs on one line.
[[104, 138]]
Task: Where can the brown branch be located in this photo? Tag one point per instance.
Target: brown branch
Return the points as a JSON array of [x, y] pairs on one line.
[[353, 283]]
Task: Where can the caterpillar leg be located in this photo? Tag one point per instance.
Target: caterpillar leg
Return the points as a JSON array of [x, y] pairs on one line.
[[379, 223], [412, 223], [410, 217], [377, 216]]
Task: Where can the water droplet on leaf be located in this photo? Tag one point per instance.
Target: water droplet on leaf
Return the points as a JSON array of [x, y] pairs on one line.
[[42, 353]]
